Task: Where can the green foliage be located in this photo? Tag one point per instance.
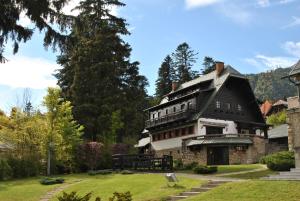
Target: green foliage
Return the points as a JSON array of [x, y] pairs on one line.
[[184, 58], [101, 172], [127, 172], [190, 166], [24, 167], [121, 197], [277, 118], [51, 181], [5, 170], [41, 14], [74, 197], [178, 164], [270, 86], [201, 169], [208, 65], [281, 161], [166, 74], [105, 87]]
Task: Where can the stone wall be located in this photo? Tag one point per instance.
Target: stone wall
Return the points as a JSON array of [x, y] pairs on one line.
[[175, 152], [293, 121], [199, 155]]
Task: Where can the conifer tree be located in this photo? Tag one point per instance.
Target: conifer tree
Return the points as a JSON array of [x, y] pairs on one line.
[[184, 59], [165, 77], [98, 76], [208, 65]]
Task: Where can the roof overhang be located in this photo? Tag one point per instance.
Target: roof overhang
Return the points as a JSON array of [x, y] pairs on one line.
[[217, 141], [143, 142]]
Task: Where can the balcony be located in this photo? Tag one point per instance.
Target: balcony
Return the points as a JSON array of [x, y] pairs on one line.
[[177, 116]]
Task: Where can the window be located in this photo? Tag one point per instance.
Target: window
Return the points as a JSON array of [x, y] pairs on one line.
[[189, 105], [183, 131], [153, 116], [158, 137], [174, 109], [239, 107], [165, 136], [228, 106], [170, 134], [213, 130], [158, 114], [176, 133], [182, 106], [167, 111], [218, 104], [191, 129]]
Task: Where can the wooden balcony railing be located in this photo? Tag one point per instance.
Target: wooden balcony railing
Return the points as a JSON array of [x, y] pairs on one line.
[[184, 114]]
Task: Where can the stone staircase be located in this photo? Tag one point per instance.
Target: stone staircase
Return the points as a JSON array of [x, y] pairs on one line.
[[292, 175], [197, 190]]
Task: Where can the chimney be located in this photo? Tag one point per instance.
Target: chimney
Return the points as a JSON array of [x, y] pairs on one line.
[[174, 86], [219, 67]]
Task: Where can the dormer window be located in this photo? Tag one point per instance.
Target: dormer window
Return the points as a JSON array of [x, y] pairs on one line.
[[182, 106], [218, 104]]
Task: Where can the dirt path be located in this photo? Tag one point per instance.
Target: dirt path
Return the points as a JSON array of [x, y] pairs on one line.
[[49, 195]]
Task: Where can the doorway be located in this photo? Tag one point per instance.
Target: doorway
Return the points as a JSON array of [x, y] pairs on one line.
[[217, 156]]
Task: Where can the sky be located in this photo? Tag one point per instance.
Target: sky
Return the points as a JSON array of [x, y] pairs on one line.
[[252, 36]]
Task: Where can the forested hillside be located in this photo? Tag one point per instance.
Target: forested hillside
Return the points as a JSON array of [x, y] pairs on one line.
[[269, 85]]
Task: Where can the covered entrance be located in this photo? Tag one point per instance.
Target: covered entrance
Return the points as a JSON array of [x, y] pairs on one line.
[[218, 155]]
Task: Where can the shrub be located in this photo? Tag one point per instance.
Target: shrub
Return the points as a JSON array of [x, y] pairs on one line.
[[5, 170], [201, 169], [121, 197], [190, 166], [90, 154], [127, 172], [51, 181], [178, 164], [74, 197], [101, 172], [24, 167], [281, 161]]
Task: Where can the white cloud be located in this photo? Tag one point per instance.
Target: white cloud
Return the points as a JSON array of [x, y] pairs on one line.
[[292, 48], [264, 62], [24, 20], [295, 22], [263, 3], [28, 72], [236, 13], [199, 3], [69, 8]]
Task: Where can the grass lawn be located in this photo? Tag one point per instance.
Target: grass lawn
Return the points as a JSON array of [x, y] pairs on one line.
[[252, 175], [23, 190], [253, 191], [142, 186], [231, 168], [237, 168]]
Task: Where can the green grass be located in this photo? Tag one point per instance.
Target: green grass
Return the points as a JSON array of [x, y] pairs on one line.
[[252, 175], [142, 186], [23, 190], [237, 168], [252, 191]]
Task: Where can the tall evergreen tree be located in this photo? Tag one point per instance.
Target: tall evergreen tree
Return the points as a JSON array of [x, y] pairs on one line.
[[184, 59], [208, 65], [165, 77], [98, 76], [41, 13]]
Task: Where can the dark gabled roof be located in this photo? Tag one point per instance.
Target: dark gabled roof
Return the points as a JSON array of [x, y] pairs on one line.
[[278, 132], [295, 69]]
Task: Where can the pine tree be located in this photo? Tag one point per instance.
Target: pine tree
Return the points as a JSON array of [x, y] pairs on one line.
[[208, 65], [98, 76], [165, 77], [184, 59], [41, 13]]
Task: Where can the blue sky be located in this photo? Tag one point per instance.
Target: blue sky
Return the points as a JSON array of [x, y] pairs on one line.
[[252, 36]]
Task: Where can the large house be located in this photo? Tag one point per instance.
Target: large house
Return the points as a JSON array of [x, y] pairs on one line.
[[213, 119]]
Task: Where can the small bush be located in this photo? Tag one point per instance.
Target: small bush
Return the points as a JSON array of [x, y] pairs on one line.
[[190, 166], [5, 170], [121, 197], [201, 169], [127, 172], [74, 197], [101, 172], [51, 181], [178, 164], [281, 161], [24, 167]]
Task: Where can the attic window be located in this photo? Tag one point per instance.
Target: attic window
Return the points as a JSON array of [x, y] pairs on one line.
[[182, 106], [239, 107], [218, 104]]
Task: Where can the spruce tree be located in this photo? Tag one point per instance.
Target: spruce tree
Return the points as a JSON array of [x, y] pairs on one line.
[[98, 76], [184, 59], [165, 77], [208, 65]]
